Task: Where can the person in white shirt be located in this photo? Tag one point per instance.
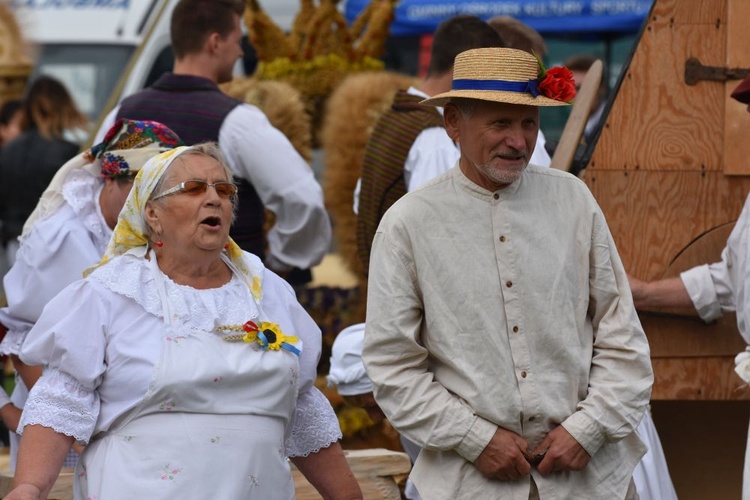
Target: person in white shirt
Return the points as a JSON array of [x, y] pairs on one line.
[[501, 335], [271, 175], [713, 289], [66, 233]]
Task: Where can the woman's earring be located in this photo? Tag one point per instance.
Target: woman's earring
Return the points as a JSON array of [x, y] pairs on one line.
[[159, 243]]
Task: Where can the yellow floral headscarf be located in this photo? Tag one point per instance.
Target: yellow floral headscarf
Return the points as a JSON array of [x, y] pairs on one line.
[[131, 233]]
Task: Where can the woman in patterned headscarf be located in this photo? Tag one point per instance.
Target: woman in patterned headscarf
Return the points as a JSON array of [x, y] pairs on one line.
[[186, 366], [67, 232]]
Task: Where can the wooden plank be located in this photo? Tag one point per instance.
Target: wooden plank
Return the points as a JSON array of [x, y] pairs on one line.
[[654, 216], [672, 336], [576, 124], [738, 34], [62, 489], [697, 379], [736, 117], [657, 122], [708, 12], [374, 469]]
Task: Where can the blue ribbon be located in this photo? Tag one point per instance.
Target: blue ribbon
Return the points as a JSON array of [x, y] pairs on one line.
[[263, 339], [290, 348], [284, 345], [531, 87]]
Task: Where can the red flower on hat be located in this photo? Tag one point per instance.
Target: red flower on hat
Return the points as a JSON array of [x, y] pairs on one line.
[[558, 84], [555, 83]]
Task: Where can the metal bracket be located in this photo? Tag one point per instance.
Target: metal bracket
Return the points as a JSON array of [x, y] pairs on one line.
[[695, 72]]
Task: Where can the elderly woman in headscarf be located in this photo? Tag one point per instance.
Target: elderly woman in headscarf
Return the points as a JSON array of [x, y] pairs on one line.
[[66, 233], [185, 365]]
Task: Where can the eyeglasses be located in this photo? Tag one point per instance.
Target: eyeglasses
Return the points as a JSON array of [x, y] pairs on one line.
[[224, 189]]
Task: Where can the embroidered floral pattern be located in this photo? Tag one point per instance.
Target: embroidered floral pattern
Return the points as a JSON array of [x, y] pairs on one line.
[[254, 480], [167, 405], [127, 135], [176, 339], [216, 439], [169, 473]]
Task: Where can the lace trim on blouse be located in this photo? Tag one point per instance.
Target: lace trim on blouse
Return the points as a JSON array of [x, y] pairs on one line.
[[200, 309], [81, 192], [12, 341], [60, 402], [315, 425]]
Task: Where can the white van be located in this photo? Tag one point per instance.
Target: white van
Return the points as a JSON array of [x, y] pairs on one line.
[[90, 44]]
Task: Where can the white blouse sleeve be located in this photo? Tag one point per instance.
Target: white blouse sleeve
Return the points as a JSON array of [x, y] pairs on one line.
[[60, 402], [315, 424], [69, 341]]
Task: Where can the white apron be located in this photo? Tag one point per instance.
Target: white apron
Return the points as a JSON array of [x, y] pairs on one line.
[[212, 424]]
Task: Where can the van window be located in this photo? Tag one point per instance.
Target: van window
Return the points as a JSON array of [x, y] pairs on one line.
[[89, 72]]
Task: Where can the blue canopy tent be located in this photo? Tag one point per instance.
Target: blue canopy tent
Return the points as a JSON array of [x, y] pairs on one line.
[[579, 18]]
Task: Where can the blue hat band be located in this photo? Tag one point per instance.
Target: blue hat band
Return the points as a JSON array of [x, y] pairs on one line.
[[530, 87]]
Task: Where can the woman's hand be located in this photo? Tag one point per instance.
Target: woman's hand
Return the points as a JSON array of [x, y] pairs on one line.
[[24, 491]]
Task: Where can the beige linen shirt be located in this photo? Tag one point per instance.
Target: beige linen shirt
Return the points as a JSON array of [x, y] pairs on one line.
[[512, 309]]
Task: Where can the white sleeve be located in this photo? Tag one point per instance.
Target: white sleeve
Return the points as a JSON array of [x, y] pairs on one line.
[[315, 423], [109, 120], [73, 354], [285, 183], [432, 154], [540, 156], [60, 402], [713, 288], [53, 256], [710, 289]]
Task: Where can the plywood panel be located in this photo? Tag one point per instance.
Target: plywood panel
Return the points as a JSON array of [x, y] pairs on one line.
[[738, 34], [653, 216], [657, 122], [736, 132], [709, 378], [690, 11], [736, 118], [673, 336]]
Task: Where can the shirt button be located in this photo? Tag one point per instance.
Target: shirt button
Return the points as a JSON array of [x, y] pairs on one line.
[[496, 196], [502, 239], [523, 374], [509, 284], [515, 329]]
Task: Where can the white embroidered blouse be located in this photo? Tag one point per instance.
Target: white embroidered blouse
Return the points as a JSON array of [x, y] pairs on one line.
[[100, 341]]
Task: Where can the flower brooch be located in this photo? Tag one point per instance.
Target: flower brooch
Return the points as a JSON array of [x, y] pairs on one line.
[[268, 335]]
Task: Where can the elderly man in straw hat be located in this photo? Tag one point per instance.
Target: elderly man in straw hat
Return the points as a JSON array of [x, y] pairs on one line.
[[501, 335]]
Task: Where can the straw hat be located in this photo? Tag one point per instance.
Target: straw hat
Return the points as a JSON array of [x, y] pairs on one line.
[[498, 75], [742, 92]]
